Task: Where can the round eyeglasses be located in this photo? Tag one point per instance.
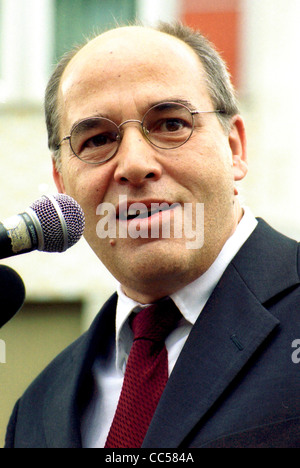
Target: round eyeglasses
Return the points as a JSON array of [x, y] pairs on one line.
[[168, 125]]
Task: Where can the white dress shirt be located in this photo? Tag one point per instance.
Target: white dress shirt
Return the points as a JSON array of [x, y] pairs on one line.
[[190, 300]]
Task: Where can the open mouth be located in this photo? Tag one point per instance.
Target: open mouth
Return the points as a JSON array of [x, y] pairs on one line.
[[141, 213]]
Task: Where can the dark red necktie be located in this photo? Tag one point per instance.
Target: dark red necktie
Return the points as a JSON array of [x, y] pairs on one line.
[[146, 375]]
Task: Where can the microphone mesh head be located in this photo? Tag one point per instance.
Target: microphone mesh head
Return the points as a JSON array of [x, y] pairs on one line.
[[53, 232]]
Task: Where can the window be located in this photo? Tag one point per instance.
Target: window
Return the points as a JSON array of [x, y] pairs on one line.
[[76, 20]]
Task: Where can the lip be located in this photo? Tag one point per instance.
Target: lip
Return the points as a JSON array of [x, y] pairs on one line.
[[143, 210], [156, 226]]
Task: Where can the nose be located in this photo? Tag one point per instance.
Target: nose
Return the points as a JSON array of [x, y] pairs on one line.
[[136, 159]]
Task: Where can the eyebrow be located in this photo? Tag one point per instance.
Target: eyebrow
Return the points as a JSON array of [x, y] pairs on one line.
[[87, 119], [176, 100]]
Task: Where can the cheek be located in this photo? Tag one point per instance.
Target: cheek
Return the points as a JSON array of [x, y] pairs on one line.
[[86, 184], [204, 170]]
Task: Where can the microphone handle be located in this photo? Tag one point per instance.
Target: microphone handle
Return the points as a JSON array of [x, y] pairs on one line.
[[17, 236], [12, 293]]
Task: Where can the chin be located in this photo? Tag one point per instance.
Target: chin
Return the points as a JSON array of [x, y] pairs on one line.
[[163, 268]]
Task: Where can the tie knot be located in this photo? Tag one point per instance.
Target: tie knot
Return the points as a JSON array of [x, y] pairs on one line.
[[156, 321]]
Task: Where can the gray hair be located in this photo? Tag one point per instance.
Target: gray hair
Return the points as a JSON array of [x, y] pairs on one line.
[[51, 104], [218, 82], [218, 79]]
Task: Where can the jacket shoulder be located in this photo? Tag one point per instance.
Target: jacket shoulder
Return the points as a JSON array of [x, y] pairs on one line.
[[54, 390], [269, 262]]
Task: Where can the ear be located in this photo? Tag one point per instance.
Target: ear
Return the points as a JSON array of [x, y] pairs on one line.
[[58, 178], [238, 145]]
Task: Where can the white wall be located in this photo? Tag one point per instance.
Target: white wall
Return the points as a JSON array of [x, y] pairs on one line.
[[26, 38], [271, 101], [150, 12]]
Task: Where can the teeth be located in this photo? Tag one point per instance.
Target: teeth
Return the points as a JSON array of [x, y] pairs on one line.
[[135, 212], [141, 212]]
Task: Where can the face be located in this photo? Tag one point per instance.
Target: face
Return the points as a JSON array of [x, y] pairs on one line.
[[120, 75]]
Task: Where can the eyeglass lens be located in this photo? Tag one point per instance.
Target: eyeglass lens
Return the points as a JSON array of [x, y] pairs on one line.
[[166, 126]]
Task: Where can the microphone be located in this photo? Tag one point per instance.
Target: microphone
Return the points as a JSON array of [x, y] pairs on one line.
[[54, 223], [12, 293]]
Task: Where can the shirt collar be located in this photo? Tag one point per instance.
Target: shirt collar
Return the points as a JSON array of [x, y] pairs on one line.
[[191, 299]]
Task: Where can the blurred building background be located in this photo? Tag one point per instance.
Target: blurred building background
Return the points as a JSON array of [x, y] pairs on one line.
[[260, 41]]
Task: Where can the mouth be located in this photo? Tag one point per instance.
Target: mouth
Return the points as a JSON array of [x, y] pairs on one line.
[[143, 210]]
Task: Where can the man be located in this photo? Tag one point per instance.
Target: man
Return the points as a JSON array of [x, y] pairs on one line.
[[143, 117]]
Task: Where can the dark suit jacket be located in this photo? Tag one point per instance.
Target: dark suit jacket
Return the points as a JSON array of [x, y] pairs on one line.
[[235, 383]]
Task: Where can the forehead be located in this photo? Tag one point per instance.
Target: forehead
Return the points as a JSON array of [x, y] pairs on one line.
[[132, 61]]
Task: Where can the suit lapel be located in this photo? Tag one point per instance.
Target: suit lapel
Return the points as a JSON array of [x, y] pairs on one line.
[[227, 333]]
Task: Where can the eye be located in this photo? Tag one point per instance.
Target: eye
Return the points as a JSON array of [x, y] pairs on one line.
[[169, 125], [99, 140], [94, 135], [172, 125]]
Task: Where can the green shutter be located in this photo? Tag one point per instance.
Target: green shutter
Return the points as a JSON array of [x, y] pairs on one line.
[[76, 20]]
